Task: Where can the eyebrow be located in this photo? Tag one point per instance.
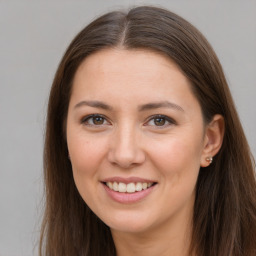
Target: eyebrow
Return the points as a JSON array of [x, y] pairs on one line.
[[94, 104], [162, 104], [144, 107]]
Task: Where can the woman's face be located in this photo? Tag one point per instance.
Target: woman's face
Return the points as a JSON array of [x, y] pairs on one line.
[[135, 136]]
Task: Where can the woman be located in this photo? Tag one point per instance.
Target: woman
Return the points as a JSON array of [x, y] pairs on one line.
[[144, 150]]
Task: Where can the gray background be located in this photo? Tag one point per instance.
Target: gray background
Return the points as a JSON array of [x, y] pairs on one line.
[[33, 37]]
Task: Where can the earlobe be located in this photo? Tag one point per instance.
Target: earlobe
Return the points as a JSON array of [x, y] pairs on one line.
[[214, 134]]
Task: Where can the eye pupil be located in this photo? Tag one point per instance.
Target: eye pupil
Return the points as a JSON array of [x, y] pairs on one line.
[[159, 121], [98, 120]]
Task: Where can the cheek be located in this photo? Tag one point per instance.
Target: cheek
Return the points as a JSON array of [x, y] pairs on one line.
[[177, 158], [177, 150], [86, 156], [85, 153], [178, 163]]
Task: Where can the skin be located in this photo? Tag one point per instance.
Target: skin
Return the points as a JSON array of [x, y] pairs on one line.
[[130, 141]]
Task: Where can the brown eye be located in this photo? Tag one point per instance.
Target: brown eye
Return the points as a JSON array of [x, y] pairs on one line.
[[159, 121], [95, 120], [98, 120]]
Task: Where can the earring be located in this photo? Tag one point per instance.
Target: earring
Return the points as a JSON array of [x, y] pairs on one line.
[[209, 159]]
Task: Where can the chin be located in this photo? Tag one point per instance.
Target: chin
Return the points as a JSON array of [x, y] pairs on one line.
[[129, 223]]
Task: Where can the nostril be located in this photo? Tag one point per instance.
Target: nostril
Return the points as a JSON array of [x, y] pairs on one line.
[[126, 157]]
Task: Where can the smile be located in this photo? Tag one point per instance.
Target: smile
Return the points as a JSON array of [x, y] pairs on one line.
[[128, 190], [130, 187]]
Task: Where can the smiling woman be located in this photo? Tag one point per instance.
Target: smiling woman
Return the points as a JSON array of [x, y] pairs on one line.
[[144, 151], [150, 135]]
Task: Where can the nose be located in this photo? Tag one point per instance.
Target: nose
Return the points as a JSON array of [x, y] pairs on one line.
[[125, 148]]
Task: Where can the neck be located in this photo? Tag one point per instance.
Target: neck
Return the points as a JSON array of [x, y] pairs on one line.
[[172, 239]]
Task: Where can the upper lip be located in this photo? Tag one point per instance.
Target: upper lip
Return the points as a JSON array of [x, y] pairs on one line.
[[128, 180]]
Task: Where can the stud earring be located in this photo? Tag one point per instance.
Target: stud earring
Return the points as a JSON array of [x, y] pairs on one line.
[[209, 159]]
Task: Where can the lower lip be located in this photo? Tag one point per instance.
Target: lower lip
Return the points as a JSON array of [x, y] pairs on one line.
[[128, 198]]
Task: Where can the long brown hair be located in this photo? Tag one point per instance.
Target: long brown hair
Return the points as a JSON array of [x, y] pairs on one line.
[[224, 220]]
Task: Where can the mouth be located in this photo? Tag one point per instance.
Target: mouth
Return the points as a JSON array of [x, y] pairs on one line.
[[128, 190], [132, 187]]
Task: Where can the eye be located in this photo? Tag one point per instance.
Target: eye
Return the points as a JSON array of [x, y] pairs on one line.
[[95, 120], [160, 121]]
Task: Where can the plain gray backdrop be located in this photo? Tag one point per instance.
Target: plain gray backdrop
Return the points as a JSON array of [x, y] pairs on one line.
[[34, 35]]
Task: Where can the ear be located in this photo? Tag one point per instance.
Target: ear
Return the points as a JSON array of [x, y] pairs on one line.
[[213, 139]]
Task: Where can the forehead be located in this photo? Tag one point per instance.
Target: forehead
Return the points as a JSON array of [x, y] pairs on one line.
[[125, 66], [122, 61], [131, 76]]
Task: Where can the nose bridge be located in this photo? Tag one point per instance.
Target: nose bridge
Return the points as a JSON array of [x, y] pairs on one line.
[[125, 147]]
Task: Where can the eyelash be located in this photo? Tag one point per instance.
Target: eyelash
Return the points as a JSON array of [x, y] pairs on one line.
[[167, 119], [153, 118], [86, 119]]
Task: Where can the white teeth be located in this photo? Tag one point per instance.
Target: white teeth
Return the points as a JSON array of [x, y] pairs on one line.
[[144, 185], [110, 185], [128, 188], [115, 186], [138, 186], [122, 187]]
